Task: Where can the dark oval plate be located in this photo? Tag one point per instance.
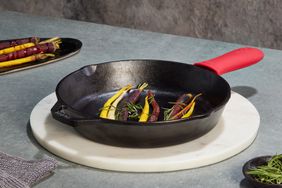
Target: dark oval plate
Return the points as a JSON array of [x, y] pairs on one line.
[[258, 161], [68, 47]]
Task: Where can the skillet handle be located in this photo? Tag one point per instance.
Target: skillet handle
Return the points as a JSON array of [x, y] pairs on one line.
[[65, 115], [231, 61], [70, 117]]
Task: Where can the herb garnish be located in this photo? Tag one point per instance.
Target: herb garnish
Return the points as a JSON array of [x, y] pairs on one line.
[[134, 110], [271, 173]]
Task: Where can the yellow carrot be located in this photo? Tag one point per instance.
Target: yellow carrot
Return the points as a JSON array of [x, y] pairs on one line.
[[107, 105], [16, 48], [113, 107], [24, 60], [190, 111], [145, 112]]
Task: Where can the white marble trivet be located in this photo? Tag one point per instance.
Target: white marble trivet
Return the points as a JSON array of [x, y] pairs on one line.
[[236, 131]]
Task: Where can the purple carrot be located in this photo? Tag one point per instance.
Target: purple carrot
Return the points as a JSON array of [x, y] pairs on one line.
[[40, 48], [132, 98], [122, 112], [181, 102], [156, 108], [16, 42], [185, 110]]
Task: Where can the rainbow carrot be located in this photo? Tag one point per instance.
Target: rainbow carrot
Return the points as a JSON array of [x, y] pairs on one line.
[[16, 48], [24, 60], [156, 108], [132, 98], [181, 102], [190, 111], [40, 48], [16, 42], [113, 107], [184, 110], [108, 103], [145, 112]]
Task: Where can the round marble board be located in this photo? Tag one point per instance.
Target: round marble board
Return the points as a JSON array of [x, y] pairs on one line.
[[235, 131]]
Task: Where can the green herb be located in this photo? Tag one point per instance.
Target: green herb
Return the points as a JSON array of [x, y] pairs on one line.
[[150, 99], [134, 110], [167, 112], [271, 173], [118, 113]]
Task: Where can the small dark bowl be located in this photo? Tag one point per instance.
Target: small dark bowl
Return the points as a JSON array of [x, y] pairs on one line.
[[255, 162]]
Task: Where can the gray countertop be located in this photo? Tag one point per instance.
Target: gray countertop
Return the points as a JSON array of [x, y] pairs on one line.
[[19, 93]]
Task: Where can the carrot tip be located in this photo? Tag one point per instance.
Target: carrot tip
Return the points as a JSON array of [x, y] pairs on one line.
[[142, 86], [54, 39]]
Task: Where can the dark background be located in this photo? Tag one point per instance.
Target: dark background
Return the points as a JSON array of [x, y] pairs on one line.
[[250, 22]]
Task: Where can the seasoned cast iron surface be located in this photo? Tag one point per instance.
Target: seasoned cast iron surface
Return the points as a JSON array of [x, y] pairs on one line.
[[82, 93]]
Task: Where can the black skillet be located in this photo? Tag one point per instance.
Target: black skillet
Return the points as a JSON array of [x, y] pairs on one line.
[[82, 93]]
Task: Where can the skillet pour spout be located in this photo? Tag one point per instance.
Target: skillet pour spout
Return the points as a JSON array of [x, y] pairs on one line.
[[83, 92]]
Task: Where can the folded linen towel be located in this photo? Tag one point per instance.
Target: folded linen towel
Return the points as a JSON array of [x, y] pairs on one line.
[[8, 181], [20, 173]]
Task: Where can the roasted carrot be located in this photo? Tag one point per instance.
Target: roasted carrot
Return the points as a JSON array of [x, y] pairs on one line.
[[113, 107], [190, 111], [40, 48], [16, 48], [145, 112], [134, 96], [131, 99], [24, 60], [181, 102], [16, 42], [122, 112], [156, 109], [184, 110], [107, 105]]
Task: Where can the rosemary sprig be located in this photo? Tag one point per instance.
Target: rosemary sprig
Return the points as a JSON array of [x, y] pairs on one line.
[[167, 112], [150, 99], [118, 113], [134, 110]]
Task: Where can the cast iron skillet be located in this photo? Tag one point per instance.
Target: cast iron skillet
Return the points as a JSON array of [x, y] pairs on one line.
[[82, 93]]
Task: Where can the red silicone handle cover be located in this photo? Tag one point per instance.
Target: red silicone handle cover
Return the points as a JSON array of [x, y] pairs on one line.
[[236, 59]]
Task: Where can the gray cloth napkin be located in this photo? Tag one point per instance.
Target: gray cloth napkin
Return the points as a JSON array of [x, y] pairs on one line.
[[16, 172]]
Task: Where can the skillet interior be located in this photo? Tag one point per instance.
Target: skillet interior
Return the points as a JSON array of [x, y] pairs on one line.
[[87, 89], [82, 93]]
